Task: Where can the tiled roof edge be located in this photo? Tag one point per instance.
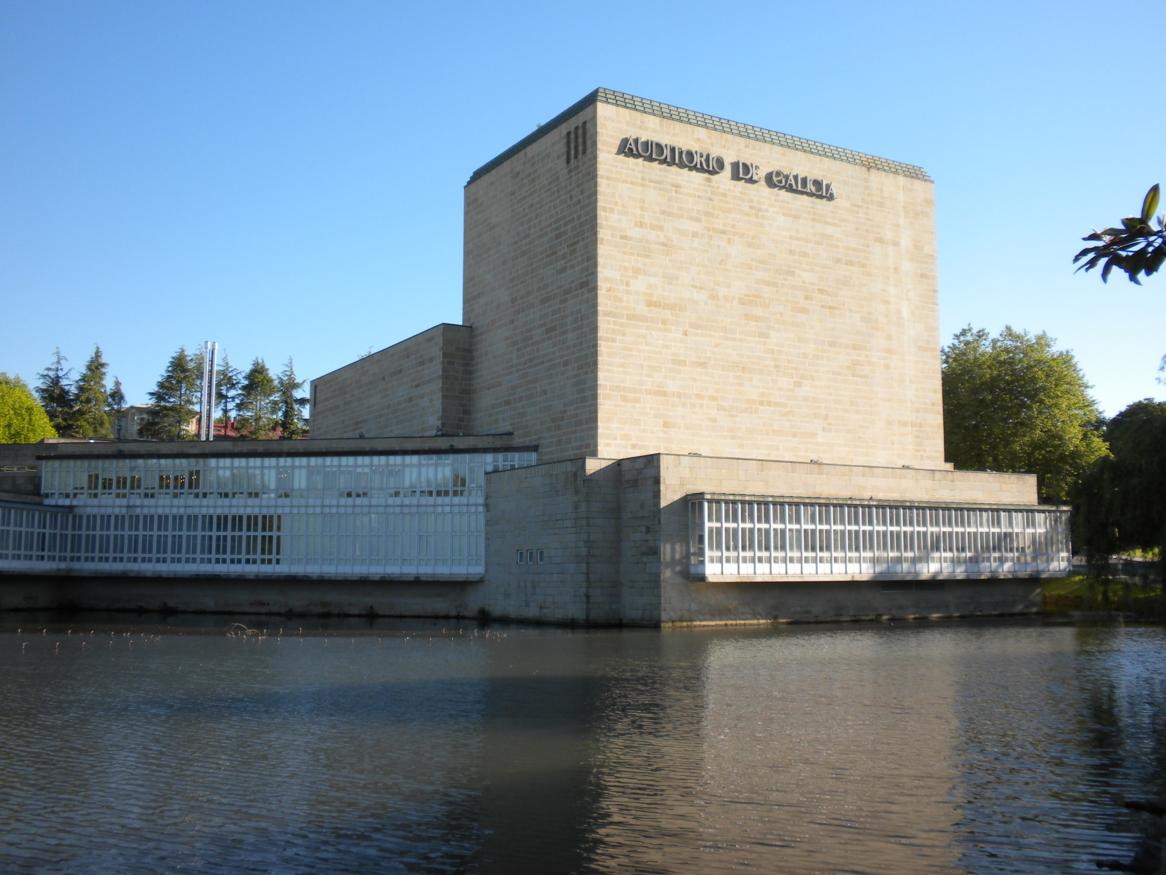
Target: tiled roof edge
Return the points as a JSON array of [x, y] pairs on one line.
[[712, 123]]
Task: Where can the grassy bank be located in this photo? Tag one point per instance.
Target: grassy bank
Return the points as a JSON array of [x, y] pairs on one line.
[[1081, 592]]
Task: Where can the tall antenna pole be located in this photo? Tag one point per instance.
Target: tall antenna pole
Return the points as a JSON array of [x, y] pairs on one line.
[[210, 369]]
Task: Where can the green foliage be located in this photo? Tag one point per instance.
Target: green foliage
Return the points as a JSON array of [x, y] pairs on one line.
[[22, 419], [1121, 502], [88, 418], [291, 404], [1136, 248], [115, 401], [174, 401], [1079, 592], [227, 384], [258, 404], [1015, 403], [55, 394]]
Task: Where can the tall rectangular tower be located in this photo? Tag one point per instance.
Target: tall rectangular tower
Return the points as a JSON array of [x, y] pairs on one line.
[[641, 279]]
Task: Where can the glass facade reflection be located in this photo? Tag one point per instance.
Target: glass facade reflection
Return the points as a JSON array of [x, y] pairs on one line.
[[418, 515]]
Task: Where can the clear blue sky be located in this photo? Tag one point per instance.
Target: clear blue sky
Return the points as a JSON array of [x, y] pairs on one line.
[[287, 177]]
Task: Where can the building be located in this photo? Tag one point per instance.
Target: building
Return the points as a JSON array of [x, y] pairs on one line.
[[720, 344], [128, 422]]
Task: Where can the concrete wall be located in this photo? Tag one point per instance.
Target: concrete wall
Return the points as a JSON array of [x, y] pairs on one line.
[[396, 598], [529, 294], [19, 469], [419, 386], [570, 511], [193, 449], [736, 319]]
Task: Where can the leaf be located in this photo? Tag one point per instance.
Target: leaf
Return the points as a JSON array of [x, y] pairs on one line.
[[1150, 204], [1132, 223], [1155, 260]]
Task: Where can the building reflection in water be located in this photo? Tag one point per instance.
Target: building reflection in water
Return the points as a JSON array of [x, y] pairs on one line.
[[917, 748]]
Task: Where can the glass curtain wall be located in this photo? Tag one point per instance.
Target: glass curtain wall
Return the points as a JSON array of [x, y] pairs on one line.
[[764, 538], [406, 515]]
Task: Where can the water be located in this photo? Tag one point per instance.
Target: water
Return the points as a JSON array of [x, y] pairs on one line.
[[998, 747]]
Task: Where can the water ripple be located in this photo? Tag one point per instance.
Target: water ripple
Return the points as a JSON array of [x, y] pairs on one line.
[[933, 748]]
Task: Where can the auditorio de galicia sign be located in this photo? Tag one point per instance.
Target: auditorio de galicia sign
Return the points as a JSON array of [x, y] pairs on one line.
[[740, 171]]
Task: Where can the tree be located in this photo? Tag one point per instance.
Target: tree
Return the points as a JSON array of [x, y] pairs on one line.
[[174, 401], [227, 385], [258, 404], [89, 418], [55, 394], [291, 405], [1121, 501], [1136, 247], [1014, 403], [115, 403], [22, 419]]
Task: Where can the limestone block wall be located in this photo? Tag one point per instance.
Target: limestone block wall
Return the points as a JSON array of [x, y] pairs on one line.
[[419, 386], [529, 293], [735, 318], [565, 517]]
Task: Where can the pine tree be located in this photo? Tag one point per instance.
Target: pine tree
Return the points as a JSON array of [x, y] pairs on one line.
[[258, 404], [88, 418], [291, 405], [55, 394], [227, 385], [115, 403], [174, 401]]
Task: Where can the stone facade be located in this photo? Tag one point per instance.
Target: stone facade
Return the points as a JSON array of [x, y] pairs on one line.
[[738, 318], [419, 386], [530, 294]]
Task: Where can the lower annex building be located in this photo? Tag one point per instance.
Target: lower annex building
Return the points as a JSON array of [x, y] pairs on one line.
[[697, 379]]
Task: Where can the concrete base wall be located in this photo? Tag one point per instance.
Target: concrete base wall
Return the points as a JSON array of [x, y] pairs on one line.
[[391, 599], [568, 514], [828, 601]]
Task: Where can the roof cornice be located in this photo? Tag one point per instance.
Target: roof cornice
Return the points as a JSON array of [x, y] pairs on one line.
[[710, 122]]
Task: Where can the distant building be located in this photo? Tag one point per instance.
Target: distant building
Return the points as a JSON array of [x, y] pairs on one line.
[[709, 356], [128, 422]]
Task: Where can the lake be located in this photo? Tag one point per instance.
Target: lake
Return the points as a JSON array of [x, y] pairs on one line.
[[332, 746]]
